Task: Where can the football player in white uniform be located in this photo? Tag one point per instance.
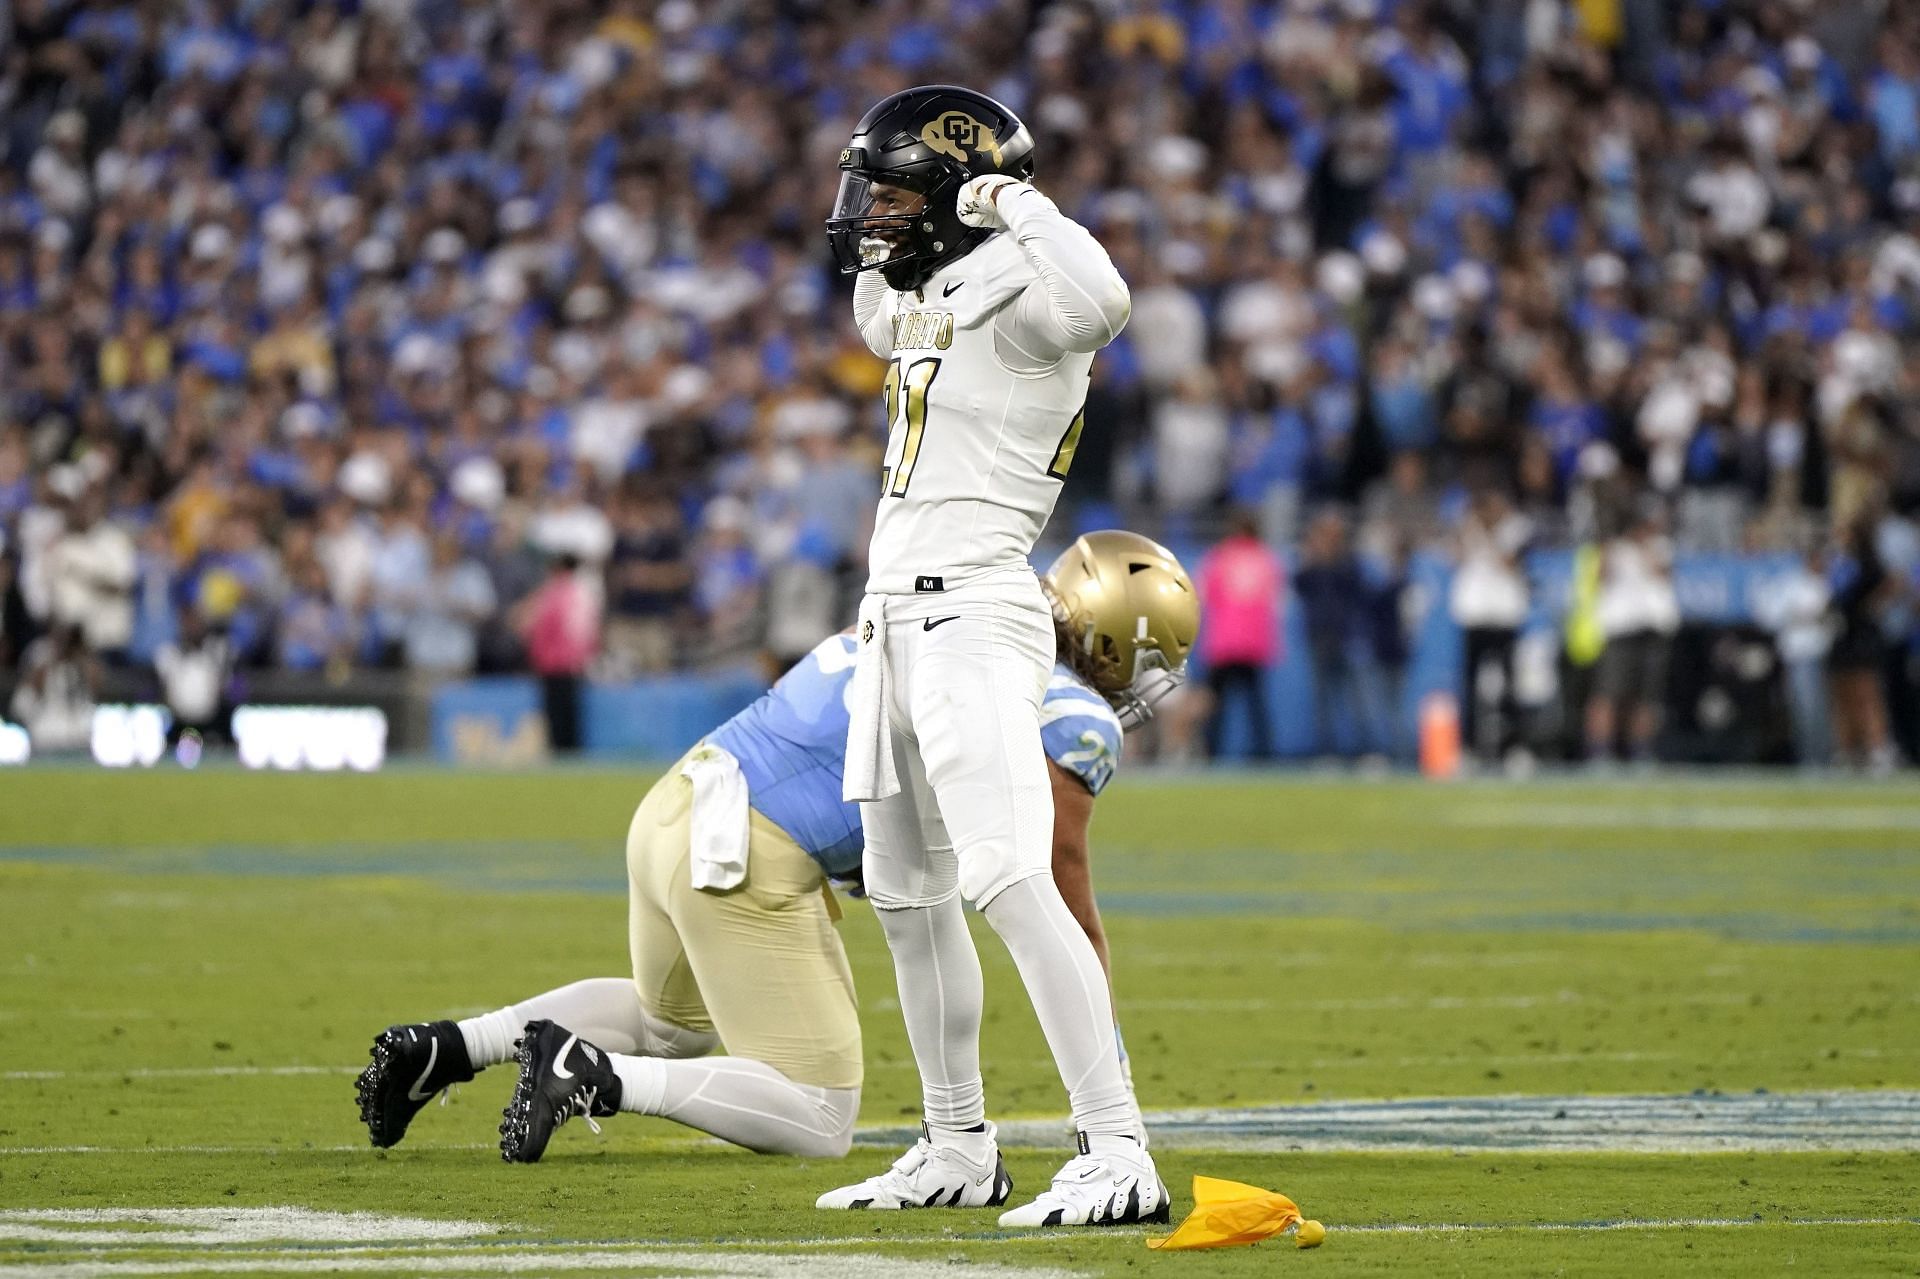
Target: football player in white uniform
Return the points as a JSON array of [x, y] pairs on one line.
[[758, 967], [989, 304]]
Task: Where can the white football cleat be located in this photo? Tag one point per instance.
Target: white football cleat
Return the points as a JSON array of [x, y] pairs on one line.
[[930, 1176], [1111, 1182]]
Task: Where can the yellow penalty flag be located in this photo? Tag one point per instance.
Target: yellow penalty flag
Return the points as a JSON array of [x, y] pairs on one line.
[[1226, 1213]]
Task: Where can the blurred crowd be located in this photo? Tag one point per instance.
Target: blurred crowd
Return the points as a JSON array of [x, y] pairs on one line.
[[329, 327]]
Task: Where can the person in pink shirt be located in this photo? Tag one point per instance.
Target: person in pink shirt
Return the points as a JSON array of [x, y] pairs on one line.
[[1241, 585], [560, 623]]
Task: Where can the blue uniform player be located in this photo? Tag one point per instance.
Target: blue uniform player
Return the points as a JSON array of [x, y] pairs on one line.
[[731, 919]]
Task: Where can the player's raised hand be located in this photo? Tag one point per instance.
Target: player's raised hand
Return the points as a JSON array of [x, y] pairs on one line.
[[978, 203]]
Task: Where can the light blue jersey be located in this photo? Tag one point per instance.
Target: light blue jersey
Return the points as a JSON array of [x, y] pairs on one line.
[[792, 743]]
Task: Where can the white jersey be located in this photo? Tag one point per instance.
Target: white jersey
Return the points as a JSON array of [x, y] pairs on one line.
[[985, 390]]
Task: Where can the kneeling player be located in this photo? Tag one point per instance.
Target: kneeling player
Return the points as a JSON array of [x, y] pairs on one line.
[[731, 922]]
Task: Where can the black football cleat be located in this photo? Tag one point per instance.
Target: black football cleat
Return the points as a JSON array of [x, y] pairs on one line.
[[410, 1065], [561, 1075]]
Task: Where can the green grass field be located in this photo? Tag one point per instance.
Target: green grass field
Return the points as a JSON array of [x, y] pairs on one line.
[[1678, 1025]]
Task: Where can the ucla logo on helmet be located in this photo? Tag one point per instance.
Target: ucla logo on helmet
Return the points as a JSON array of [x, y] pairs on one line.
[[957, 134]]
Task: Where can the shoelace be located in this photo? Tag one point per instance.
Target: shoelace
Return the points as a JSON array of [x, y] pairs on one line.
[[580, 1102]]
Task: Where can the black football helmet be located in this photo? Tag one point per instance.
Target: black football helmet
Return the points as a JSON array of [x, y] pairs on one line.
[[931, 139]]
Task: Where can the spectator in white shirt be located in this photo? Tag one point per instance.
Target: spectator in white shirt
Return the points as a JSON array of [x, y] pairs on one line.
[[91, 572], [1168, 328], [1190, 442], [193, 677], [1638, 613], [1489, 602], [55, 697], [1798, 609]]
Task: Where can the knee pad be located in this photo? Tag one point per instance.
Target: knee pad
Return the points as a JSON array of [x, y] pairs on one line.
[[895, 884], [841, 1106]]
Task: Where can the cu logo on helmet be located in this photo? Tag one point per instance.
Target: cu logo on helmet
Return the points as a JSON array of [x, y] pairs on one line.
[[956, 133]]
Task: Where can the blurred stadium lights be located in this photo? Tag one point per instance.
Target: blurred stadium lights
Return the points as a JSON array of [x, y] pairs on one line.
[[324, 738], [316, 737]]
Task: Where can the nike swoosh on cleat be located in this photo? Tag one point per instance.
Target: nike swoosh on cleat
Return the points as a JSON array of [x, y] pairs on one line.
[[433, 1055], [560, 1070], [939, 621]]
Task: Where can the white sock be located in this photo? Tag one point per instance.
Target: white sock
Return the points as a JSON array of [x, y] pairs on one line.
[[1069, 993], [938, 972], [602, 1010], [746, 1102], [1133, 1097]]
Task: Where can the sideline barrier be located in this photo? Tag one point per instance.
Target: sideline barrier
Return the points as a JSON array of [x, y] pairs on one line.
[[498, 721]]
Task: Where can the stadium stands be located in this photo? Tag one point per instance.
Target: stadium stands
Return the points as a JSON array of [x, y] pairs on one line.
[[323, 326]]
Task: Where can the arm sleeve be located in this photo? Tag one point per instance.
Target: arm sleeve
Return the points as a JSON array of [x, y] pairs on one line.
[[870, 312], [1079, 303]]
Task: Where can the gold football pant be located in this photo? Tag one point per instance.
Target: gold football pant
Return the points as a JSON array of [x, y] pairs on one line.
[[761, 965]]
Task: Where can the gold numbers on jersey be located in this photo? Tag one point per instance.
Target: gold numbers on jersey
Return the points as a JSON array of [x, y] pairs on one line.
[[1069, 443], [917, 377]]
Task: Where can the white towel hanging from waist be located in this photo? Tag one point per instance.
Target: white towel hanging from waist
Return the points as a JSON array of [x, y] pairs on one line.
[[870, 774], [718, 829]]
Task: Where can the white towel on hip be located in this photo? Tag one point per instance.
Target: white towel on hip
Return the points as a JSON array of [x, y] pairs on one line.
[[718, 829], [870, 772]]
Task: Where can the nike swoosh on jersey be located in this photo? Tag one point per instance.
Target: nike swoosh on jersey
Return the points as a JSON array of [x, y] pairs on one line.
[[947, 291], [433, 1055], [939, 621], [560, 1070]]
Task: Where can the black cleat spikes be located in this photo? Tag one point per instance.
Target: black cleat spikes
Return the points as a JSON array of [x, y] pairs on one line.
[[409, 1066], [561, 1075]]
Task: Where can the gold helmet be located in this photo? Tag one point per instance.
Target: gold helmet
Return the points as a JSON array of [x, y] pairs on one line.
[[1126, 613]]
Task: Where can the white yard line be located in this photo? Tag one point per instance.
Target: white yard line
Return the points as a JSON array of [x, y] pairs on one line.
[[284, 1149], [1438, 1003], [207, 1227], [1764, 1122], [1660, 1223], [1689, 816], [181, 1072], [767, 1258], [737, 1265]]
